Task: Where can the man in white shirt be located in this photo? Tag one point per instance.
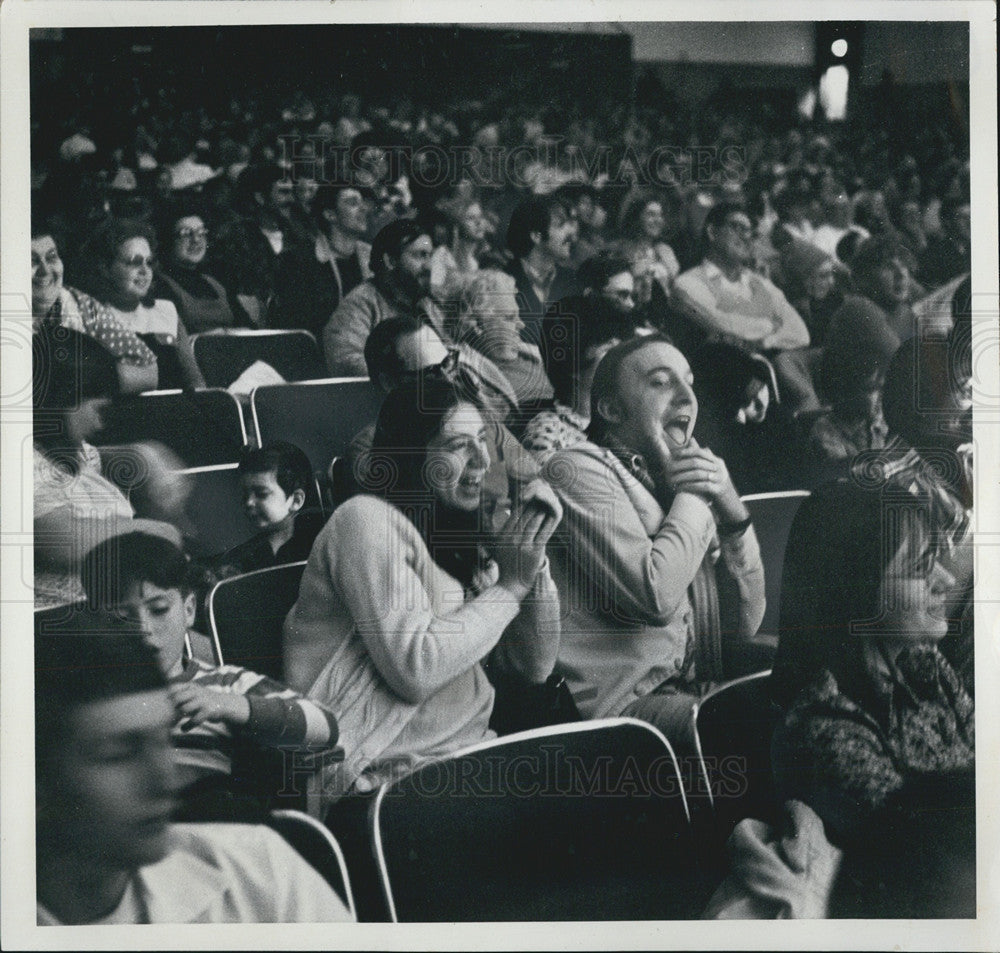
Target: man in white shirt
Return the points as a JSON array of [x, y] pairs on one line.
[[107, 851], [731, 302]]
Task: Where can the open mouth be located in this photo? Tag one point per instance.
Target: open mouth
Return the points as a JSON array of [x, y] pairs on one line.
[[677, 430]]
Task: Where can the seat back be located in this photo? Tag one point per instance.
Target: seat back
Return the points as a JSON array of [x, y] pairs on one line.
[[214, 509], [320, 417], [203, 427], [246, 615], [575, 822], [318, 846], [772, 515], [222, 357], [733, 729]]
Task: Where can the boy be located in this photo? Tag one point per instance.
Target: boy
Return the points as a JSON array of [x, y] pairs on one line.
[[107, 851], [147, 580], [273, 479]]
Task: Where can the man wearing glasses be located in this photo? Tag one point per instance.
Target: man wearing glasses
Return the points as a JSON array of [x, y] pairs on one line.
[[729, 301]]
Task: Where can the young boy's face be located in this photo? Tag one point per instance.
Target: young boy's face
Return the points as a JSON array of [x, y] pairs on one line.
[[165, 616], [266, 504]]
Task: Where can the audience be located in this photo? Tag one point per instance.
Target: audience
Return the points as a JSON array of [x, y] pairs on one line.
[[578, 342], [55, 305], [729, 301], [107, 851], [76, 504], [456, 261], [120, 257], [401, 347], [314, 277], [648, 512], [400, 285], [275, 481], [404, 688], [643, 222], [490, 323], [540, 238], [149, 581], [739, 420], [868, 698], [800, 304], [948, 254], [200, 300]]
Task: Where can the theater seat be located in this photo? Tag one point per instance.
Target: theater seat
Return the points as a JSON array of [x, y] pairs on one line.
[[575, 822], [318, 846], [733, 728], [772, 515], [202, 427], [223, 356], [246, 615], [320, 417]]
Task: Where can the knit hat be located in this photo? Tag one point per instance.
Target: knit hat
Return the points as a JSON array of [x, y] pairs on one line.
[[799, 260]]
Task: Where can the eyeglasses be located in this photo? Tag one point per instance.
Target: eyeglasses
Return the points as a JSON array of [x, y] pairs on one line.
[[621, 295], [137, 261], [189, 233], [740, 228]]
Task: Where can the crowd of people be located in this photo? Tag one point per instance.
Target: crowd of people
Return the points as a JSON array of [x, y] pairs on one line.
[[586, 361]]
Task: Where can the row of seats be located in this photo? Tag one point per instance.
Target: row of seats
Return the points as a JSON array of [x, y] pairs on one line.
[[207, 427]]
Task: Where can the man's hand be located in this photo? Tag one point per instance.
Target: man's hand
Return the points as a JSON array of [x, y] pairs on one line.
[[695, 469]]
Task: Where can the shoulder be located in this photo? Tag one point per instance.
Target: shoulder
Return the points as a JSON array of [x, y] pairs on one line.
[[363, 520], [247, 853], [584, 463], [693, 277]]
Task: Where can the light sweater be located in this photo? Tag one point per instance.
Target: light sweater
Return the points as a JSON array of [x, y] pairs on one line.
[[388, 641]]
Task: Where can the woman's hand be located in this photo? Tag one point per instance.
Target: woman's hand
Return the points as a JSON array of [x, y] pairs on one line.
[[196, 704], [520, 544]]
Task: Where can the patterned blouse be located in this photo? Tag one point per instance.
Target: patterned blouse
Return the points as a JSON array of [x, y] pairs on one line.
[[844, 761], [80, 312], [555, 429]]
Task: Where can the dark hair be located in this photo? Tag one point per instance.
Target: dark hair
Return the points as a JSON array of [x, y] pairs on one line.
[[381, 356], [329, 193], [289, 464], [848, 245], [44, 224], [411, 415], [877, 252], [85, 657], [915, 857], [531, 215], [843, 539], [631, 213], [921, 376], [101, 249], [392, 240], [259, 179], [852, 359], [597, 271], [579, 324], [569, 193], [113, 567], [723, 373], [606, 376], [718, 214]]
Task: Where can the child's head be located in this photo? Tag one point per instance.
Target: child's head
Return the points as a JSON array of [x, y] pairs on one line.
[[149, 581], [273, 479]]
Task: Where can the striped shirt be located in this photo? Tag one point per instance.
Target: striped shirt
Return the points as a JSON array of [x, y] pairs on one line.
[[279, 718]]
